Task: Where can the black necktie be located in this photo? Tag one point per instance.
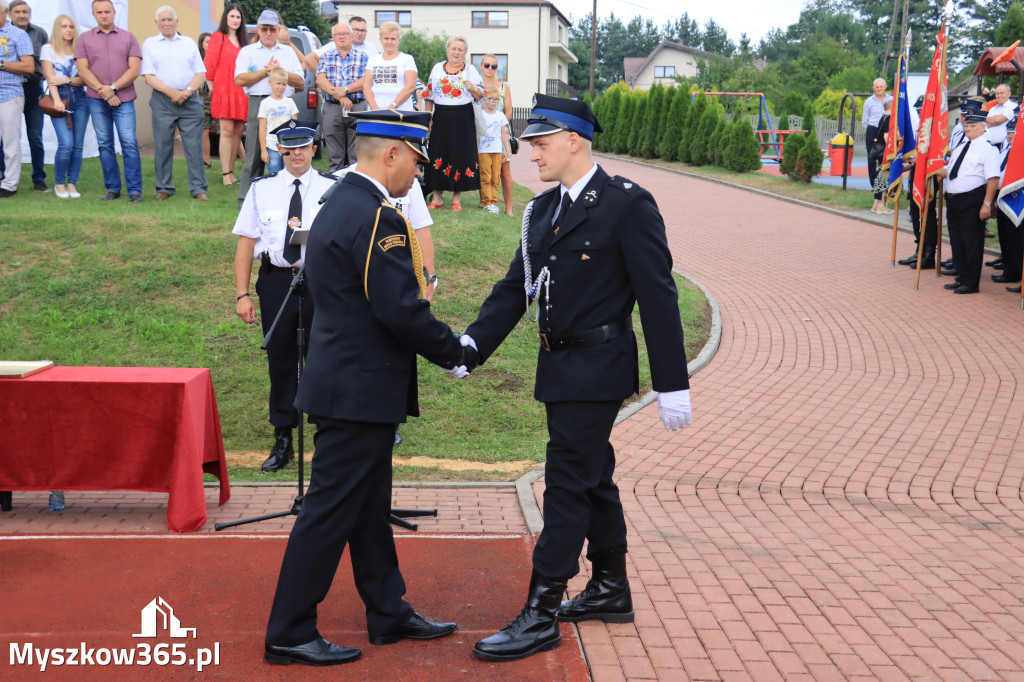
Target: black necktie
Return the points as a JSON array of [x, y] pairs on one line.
[[959, 160], [1006, 158], [563, 210], [292, 252]]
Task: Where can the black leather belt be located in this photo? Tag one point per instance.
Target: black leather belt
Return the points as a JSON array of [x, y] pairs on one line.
[[294, 269], [979, 189], [591, 337]]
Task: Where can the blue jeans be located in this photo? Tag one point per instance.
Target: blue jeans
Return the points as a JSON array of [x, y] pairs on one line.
[[34, 128], [274, 161], [104, 119], [67, 162]]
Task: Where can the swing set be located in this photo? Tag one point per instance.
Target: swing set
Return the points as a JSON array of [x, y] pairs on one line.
[[770, 139]]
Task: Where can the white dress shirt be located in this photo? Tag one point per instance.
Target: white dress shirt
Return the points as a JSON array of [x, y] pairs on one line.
[[254, 57], [174, 61], [980, 164], [264, 213], [998, 133]]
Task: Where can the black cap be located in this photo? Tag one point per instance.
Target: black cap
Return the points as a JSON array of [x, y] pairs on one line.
[[919, 102], [294, 133], [972, 116], [1011, 125], [553, 114], [408, 126]]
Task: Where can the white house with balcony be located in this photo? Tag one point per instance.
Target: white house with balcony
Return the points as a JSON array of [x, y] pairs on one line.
[[666, 61], [530, 38]]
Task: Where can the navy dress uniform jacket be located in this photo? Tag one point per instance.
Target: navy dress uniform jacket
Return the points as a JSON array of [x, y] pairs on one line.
[[370, 320], [609, 253]]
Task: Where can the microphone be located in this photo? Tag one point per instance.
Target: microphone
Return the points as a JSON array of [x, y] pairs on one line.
[[286, 153]]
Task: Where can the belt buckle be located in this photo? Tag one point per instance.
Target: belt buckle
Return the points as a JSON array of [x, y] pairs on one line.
[[544, 342]]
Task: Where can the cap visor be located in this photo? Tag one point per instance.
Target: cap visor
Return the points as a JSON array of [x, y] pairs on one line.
[[538, 129], [419, 149], [295, 142]]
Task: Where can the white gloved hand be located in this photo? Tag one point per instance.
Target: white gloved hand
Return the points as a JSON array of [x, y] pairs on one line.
[[674, 409], [459, 371], [467, 340]]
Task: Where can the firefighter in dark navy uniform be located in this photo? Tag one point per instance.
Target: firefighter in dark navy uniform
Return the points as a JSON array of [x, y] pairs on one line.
[[273, 208], [595, 246], [365, 274]]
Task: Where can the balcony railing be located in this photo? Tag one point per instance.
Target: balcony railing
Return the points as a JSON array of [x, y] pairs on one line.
[[558, 88]]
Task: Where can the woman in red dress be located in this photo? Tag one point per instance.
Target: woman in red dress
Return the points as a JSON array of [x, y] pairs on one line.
[[228, 102]]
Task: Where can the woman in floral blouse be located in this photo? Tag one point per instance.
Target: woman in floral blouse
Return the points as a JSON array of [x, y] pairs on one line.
[[451, 91]]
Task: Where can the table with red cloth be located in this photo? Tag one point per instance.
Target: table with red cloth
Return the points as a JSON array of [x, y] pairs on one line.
[[115, 428]]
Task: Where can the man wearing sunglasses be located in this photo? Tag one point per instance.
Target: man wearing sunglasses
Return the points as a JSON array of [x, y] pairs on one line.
[[252, 72]]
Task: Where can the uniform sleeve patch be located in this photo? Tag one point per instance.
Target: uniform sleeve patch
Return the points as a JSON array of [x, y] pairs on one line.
[[392, 241]]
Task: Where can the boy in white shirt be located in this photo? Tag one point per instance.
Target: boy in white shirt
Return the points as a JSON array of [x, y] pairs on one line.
[[275, 110], [493, 149]]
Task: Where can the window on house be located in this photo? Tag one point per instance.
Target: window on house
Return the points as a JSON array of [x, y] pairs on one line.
[[404, 19], [490, 19], [477, 60], [664, 71]]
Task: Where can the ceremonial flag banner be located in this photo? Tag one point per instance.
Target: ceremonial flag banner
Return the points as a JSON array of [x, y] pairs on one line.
[[1011, 194], [899, 146], [933, 134]]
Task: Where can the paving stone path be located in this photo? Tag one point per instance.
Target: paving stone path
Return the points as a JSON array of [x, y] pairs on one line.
[[847, 503]]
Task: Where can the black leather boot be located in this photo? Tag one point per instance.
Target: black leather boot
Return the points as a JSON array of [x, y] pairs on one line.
[[911, 260], [927, 258], [281, 453], [606, 596], [535, 629]]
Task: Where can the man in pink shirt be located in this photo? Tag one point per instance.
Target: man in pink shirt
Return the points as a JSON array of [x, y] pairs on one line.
[[109, 59]]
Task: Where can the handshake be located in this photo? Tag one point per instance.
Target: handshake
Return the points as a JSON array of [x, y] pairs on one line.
[[470, 358]]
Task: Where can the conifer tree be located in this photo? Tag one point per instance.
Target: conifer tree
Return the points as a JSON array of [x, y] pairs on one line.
[[702, 148], [669, 149], [697, 107], [636, 127], [652, 117], [720, 142], [667, 99], [790, 152], [743, 153], [608, 117], [808, 123], [810, 158], [623, 121]]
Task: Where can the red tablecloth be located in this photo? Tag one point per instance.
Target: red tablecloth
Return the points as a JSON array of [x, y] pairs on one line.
[[115, 428]]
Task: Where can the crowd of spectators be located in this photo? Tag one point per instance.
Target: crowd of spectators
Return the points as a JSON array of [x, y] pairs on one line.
[[227, 83]]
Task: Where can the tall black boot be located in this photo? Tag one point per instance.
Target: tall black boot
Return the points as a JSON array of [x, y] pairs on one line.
[[535, 629], [927, 258], [606, 596], [281, 453]]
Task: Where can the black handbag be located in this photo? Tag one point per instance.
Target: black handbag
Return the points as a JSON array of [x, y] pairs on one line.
[[513, 144]]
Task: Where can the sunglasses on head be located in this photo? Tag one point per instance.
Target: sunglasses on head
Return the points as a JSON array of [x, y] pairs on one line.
[[489, 66]]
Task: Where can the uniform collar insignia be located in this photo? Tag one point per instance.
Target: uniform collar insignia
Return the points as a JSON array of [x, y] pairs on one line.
[[590, 197], [627, 185]]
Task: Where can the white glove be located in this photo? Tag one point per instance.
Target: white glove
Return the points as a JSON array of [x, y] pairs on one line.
[[459, 371], [674, 409], [467, 340]]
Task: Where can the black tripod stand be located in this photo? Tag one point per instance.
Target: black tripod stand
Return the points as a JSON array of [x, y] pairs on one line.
[[398, 516]]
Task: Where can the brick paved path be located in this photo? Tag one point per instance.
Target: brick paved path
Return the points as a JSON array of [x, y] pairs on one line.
[[847, 503]]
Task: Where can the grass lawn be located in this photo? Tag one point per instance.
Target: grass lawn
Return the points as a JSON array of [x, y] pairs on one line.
[[91, 282]]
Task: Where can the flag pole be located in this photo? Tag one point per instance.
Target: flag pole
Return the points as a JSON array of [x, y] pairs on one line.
[[895, 222], [896, 208]]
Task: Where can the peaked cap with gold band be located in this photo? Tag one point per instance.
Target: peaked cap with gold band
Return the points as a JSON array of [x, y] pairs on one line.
[[408, 126]]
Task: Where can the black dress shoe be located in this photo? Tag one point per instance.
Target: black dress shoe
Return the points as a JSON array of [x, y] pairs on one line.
[[535, 629], [994, 261], [997, 266], [606, 596], [927, 263], [951, 286], [1003, 279], [1013, 290], [317, 652], [911, 261], [281, 453], [111, 195], [949, 273], [965, 290], [4, 193], [416, 627]]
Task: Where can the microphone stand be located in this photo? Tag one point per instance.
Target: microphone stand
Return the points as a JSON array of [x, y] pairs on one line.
[[397, 517]]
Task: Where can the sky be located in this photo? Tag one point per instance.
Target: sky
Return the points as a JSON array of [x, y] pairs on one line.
[[753, 17]]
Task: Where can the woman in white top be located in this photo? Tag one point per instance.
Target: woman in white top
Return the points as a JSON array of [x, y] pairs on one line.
[[451, 90], [390, 77], [61, 72]]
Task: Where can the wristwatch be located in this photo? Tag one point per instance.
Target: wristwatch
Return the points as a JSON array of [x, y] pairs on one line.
[[987, 203], [433, 278], [113, 87], [3, 66], [189, 88]]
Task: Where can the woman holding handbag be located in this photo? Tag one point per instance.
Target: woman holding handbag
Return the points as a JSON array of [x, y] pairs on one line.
[[876, 157], [68, 92], [489, 74]]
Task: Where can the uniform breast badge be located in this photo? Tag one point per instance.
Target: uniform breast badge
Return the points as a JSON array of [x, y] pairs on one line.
[[294, 222]]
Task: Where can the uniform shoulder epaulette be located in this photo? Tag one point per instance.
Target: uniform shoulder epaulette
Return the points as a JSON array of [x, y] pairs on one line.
[[329, 176], [624, 184], [263, 177]]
